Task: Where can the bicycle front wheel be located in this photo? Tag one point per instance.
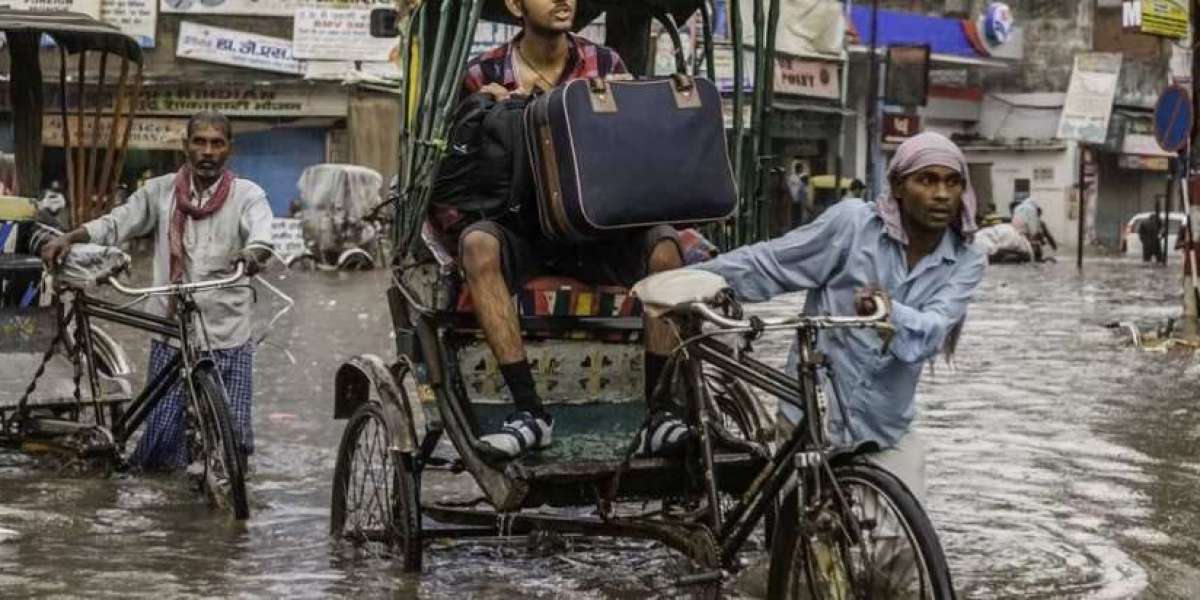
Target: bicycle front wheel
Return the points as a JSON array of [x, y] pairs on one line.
[[224, 465], [878, 544]]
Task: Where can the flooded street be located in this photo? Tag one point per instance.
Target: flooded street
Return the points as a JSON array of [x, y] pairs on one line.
[[1063, 464]]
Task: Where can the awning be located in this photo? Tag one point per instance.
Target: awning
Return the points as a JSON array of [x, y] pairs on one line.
[[786, 106], [73, 31], [944, 60], [952, 37], [1144, 145]]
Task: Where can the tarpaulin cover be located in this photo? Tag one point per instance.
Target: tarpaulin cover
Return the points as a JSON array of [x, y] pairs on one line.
[[335, 198], [807, 28], [943, 35], [86, 264], [1002, 236]]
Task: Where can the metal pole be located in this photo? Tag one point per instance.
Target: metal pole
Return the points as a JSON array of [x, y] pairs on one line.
[[1164, 225], [1082, 205], [873, 102], [839, 161]]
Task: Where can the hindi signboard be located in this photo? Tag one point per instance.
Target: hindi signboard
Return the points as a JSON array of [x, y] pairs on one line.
[[1090, 93], [1167, 18], [147, 133], [213, 44], [287, 235], [90, 8], [337, 34], [234, 100], [135, 18], [265, 8]]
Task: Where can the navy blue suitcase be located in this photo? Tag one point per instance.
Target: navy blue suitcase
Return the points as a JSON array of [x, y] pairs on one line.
[[609, 156]]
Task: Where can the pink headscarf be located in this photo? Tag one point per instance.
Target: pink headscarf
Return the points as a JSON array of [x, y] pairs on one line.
[[917, 152]]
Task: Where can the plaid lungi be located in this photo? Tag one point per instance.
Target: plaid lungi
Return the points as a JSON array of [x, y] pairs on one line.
[[164, 443]]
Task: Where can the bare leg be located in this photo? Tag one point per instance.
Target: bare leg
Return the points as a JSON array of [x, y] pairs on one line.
[[664, 257], [493, 303]]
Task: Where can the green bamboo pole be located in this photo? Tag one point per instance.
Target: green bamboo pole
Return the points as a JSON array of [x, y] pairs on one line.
[[767, 88], [735, 23], [750, 229]]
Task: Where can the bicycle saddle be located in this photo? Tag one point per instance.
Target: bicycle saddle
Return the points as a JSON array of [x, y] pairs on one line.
[[662, 292]]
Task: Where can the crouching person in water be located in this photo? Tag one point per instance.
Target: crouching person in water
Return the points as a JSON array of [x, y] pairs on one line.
[[203, 218], [912, 244]]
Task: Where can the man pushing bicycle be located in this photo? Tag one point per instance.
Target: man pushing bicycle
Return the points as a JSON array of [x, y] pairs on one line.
[[913, 244], [204, 219]]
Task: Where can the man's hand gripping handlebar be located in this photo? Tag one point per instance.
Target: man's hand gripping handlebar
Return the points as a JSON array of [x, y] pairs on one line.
[[878, 318]]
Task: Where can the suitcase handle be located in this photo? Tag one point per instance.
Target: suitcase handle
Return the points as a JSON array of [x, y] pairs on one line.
[[684, 88], [601, 95]]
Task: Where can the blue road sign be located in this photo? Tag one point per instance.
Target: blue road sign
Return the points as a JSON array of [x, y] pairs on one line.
[[1173, 118]]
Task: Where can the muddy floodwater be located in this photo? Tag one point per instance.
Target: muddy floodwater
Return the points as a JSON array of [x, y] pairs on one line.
[[1063, 464]]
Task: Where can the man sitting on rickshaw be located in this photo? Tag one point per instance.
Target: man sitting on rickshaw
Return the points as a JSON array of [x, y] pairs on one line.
[[498, 256]]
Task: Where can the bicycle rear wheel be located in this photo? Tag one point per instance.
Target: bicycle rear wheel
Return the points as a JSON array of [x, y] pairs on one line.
[[224, 465], [898, 555]]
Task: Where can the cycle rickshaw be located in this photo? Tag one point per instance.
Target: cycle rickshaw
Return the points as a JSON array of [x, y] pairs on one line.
[[91, 418], [836, 527], [93, 112]]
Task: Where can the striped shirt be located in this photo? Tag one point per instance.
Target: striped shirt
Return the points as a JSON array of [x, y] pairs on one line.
[[585, 60]]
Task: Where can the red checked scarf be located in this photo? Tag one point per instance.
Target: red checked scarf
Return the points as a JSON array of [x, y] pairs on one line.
[[184, 210]]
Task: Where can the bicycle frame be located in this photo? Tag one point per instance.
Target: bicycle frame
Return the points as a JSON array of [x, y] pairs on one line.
[[184, 363], [806, 453]]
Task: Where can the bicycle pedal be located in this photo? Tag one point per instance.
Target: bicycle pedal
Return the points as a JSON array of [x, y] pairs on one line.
[[704, 578]]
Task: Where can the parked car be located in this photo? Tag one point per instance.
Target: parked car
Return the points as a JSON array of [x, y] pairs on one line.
[[1131, 244]]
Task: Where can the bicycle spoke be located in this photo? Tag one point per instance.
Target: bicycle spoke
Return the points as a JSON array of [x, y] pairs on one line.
[[369, 519]]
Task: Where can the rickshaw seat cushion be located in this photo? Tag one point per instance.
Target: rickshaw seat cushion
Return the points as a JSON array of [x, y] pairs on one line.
[[661, 292], [552, 296]]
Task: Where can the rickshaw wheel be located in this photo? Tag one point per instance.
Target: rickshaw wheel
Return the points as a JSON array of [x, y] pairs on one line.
[[735, 405], [376, 491]]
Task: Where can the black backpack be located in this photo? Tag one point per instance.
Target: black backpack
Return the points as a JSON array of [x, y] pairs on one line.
[[485, 173]]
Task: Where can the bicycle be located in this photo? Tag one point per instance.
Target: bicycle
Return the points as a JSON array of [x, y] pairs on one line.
[[843, 527], [210, 435]]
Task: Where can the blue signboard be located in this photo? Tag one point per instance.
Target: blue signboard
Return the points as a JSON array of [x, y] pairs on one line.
[[1173, 118]]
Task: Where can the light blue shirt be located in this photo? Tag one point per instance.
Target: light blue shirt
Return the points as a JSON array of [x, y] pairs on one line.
[[848, 248]]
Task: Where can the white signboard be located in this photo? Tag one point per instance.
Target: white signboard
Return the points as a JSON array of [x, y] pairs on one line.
[[237, 48], [287, 235], [147, 133], [135, 18], [805, 78], [1090, 97], [268, 8], [337, 34], [90, 8]]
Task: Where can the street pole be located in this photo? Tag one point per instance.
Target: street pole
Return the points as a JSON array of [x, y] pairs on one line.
[[839, 160], [1082, 204], [873, 184]]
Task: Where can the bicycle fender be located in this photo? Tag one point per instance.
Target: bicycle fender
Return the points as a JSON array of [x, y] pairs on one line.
[[366, 378]]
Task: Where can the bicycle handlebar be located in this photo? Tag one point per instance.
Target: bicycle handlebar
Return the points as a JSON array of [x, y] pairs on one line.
[[878, 320], [173, 288]]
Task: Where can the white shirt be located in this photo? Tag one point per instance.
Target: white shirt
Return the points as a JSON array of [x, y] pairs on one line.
[[209, 245]]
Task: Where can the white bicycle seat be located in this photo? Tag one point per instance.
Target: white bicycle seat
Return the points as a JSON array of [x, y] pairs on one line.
[[662, 292]]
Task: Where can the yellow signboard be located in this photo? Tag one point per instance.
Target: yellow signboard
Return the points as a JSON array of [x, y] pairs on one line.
[[1168, 18]]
